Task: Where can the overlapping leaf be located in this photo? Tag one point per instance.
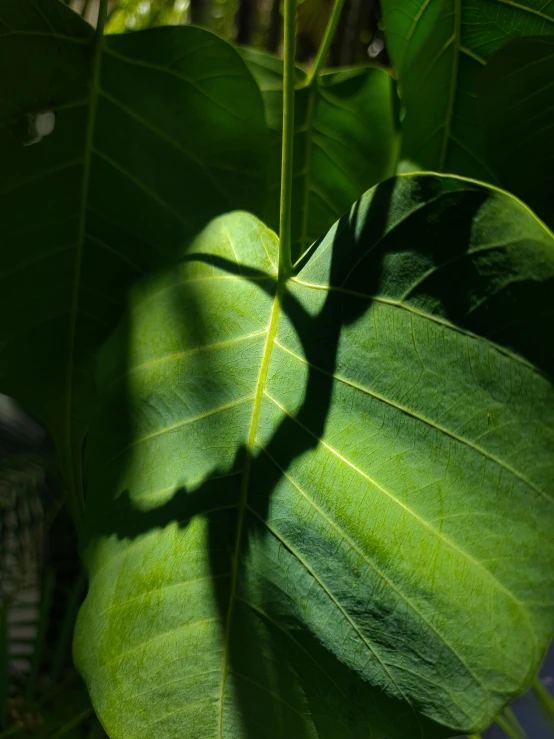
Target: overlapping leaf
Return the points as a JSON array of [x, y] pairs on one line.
[[155, 134], [439, 49], [323, 508], [516, 103], [345, 141]]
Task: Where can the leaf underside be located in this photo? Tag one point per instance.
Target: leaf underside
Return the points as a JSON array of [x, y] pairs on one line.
[[439, 49], [153, 138], [324, 508]]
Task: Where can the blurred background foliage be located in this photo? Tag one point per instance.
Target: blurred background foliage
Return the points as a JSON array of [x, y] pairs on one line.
[[256, 23]]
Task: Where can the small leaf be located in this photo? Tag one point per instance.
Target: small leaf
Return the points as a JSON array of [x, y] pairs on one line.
[[324, 507]]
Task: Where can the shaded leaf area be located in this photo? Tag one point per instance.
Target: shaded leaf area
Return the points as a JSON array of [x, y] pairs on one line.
[[439, 50], [154, 134], [322, 508], [345, 141], [516, 103]]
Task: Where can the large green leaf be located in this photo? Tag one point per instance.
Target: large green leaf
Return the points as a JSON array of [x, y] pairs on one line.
[[439, 48], [155, 134], [324, 508], [345, 141], [516, 102]]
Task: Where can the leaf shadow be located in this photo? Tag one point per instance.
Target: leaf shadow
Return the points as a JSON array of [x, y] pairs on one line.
[[256, 636]]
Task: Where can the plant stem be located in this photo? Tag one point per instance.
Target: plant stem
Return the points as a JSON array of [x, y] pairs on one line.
[[285, 225], [327, 39], [518, 728], [544, 697], [473, 736], [75, 721], [102, 16], [310, 111], [506, 727]]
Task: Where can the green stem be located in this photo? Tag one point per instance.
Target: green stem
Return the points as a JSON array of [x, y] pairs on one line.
[[311, 83], [102, 15], [72, 723], [327, 38], [473, 736], [544, 697], [518, 728], [285, 225], [506, 727]]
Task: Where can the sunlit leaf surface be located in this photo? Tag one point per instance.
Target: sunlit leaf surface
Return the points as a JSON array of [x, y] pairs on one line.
[[113, 154], [324, 508]]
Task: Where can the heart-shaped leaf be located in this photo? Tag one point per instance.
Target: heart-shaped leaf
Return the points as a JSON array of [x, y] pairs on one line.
[[345, 141], [323, 506], [138, 141], [439, 50]]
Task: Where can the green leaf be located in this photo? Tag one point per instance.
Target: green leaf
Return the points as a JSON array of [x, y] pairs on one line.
[[439, 50], [155, 133], [324, 507], [516, 103], [345, 142]]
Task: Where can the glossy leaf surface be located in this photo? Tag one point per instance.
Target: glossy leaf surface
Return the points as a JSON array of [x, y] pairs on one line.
[[154, 134], [439, 48], [516, 103], [323, 508], [345, 141]]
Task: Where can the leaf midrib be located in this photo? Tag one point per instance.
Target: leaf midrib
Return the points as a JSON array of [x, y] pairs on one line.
[[98, 42], [242, 506]]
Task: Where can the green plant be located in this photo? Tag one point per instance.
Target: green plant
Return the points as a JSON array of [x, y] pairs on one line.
[[317, 476]]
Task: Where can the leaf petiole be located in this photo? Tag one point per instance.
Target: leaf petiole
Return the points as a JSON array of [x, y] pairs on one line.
[[326, 41], [507, 727], [285, 221], [544, 697]]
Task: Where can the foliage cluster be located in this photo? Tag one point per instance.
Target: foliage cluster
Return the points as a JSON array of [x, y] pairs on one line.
[[312, 474]]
